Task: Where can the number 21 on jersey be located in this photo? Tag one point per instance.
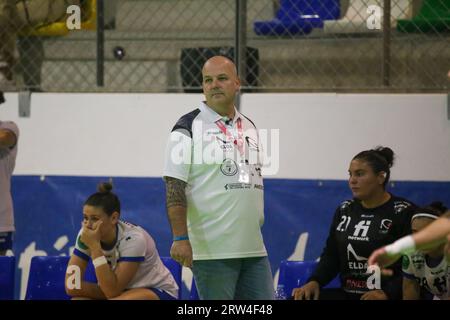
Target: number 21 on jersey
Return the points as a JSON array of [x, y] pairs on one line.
[[343, 225]]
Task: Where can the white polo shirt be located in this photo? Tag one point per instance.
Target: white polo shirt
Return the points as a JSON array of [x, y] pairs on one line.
[[7, 164], [224, 190]]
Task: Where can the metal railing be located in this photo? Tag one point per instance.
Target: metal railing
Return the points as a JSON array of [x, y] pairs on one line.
[[278, 46]]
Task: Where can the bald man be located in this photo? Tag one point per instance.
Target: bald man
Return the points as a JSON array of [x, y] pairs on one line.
[[214, 193]]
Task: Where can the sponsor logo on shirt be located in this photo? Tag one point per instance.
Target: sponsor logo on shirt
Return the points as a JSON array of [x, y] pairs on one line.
[[224, 144], [229, 167], [438, 272], [358, 238], [355, 262], [399, 206], [418, 261], [355, 284], [385, 226], [361, 230], [230, 186]]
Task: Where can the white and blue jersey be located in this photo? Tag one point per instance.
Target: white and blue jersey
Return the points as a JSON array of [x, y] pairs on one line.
[[134, 244], [431, 275]]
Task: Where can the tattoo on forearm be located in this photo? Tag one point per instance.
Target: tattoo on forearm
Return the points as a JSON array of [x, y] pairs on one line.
[[175, 192]]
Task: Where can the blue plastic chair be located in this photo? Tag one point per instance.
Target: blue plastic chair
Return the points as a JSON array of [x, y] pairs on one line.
[[299, 17], [294, 274], [47, 276], [7, 272], [46, 279], [175, 268]]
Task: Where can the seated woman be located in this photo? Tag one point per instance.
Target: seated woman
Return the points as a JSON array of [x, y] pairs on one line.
[[126, 261], [374, 217], [425, 269], [436, 233]]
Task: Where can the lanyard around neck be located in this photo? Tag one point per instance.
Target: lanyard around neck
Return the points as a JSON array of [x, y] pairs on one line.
[[239, 141]]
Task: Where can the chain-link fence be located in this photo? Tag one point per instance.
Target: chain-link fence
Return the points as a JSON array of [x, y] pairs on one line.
[[281, 45]]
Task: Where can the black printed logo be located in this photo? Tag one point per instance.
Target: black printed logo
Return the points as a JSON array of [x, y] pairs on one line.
[[229, 167]]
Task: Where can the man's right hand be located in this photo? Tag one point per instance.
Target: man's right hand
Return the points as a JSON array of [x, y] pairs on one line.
[[309, 291], [181, 251]]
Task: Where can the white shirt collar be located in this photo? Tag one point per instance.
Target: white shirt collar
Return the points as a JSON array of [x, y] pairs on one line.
[[213, 116]]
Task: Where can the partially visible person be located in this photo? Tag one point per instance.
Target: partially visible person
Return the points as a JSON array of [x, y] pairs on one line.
[[16, 15], [372, 218], [436, 233], [9, 136], [426, 269], [126, 261]]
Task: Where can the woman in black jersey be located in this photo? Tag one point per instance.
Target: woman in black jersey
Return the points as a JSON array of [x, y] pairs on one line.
[[373, 218]]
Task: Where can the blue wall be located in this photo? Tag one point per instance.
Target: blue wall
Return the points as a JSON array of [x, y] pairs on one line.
[[50, 208]]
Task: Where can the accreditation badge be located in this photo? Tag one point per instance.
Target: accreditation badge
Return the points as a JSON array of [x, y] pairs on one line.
[[244, 172]]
